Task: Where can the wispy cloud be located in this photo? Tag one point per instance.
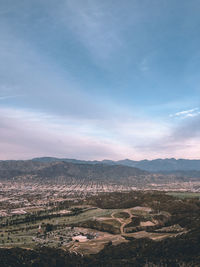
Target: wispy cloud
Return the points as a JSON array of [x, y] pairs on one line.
[[181, 141], [25, 134], [34, 78], [32, 133], [186, 113], [90, 79], [95, 25]]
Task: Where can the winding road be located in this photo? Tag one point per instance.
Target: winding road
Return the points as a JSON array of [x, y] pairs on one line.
[[123, 222]]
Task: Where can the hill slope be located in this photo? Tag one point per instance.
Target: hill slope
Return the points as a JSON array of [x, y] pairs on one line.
[[56, 170], [157, 165]]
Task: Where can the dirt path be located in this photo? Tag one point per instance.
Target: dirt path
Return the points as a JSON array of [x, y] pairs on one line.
[[122, 221]]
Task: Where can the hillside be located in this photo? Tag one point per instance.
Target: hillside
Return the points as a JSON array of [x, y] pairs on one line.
[[157, 165], [66, 170], [163, 165], [113, 229], [58, 171]]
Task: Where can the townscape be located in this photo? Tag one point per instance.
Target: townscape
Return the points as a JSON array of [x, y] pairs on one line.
[[24, 197], [84, 217]]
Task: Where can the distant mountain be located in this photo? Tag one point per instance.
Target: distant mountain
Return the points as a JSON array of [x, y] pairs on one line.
[[53, 159], [164, 165], [65, 171], [157, 165]]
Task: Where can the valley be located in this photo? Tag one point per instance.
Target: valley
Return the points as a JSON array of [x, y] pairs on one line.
[[89, 212]]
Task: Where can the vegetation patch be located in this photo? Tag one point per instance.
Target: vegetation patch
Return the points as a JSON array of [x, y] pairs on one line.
[[123, 215], [183, 195], [110, 226]]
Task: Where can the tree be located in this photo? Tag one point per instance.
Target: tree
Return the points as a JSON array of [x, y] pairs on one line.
[[49, 227]]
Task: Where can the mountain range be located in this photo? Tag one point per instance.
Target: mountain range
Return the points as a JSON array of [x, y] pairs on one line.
[[62, 171], [128, 172], [156, 165]]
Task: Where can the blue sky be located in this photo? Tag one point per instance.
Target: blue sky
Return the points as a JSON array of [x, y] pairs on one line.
[[99, 79]]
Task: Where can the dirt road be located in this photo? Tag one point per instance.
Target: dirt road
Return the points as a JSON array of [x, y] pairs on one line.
[[123, 222]]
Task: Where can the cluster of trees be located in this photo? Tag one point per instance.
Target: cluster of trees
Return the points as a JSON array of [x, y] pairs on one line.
[[179, 251], [105, 226], [118, 200], [38, 216]]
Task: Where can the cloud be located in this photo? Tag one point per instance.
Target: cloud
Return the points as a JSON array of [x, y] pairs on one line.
[[25, 134], [33, 81], [188, 129], [186, 113], [59, 63], [94, 24], [181, 141]]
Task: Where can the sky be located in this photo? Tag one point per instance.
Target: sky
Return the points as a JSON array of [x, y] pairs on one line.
[[93, 80]]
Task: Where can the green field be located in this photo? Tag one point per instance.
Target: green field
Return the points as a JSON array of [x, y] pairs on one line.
[[21, 234]]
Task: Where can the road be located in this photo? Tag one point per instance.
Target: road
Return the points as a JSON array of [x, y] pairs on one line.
[[123, 222]]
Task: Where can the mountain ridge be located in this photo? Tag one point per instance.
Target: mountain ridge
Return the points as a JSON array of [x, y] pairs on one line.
[[55, 170], [156, 165], [65, 171]]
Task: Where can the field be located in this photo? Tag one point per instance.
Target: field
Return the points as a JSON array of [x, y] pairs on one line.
[[81, 229], [22, 234]]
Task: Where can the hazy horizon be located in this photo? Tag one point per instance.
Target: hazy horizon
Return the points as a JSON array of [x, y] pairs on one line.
[[99, 79], [105, 159]]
